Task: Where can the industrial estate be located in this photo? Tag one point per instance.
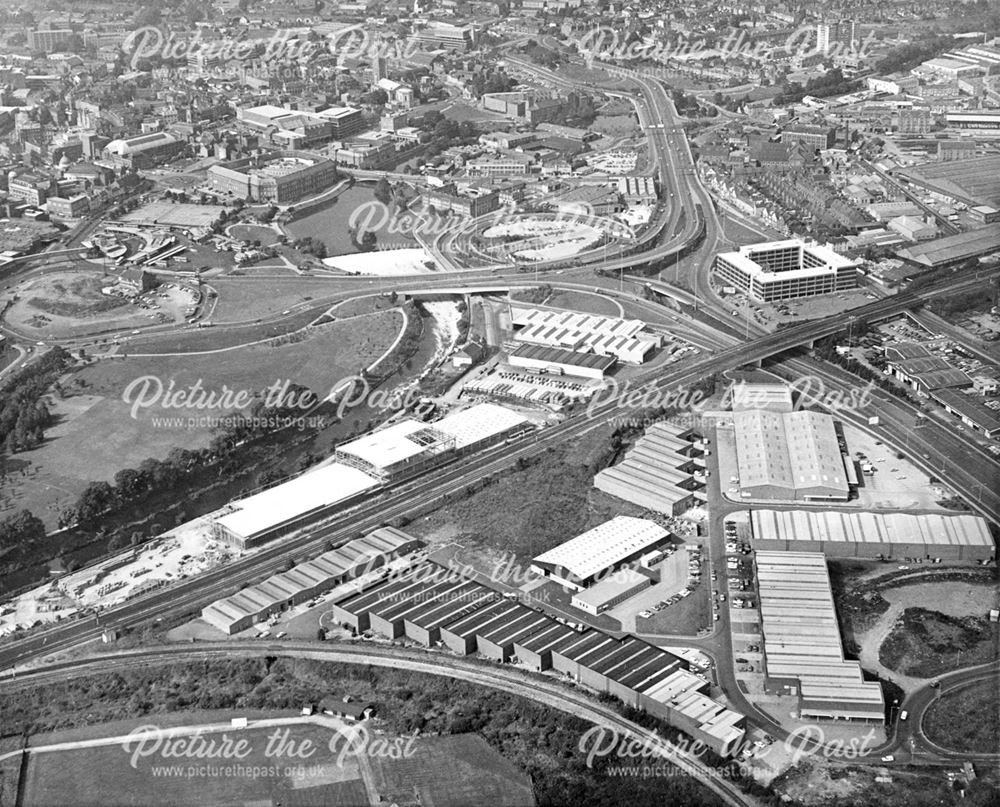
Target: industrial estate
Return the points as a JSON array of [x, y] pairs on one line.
[[547, 403]]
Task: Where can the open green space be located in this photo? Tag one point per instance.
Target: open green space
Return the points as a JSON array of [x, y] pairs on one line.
[[76, 296], [243, 300], [95, 433], [528, 510], [461, 111], [595, 77], [965, 719], [103, 775], [615, 125], [254, 232], [924, 643], [583, 302], [536, 741], [71, 303]]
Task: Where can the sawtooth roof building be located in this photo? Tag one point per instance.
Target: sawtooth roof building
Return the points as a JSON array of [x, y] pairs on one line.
[[432, 605], [658, 472], [802, 649], [790, 456], [872, 535], [582, 560], [256, 603], [627, 340]]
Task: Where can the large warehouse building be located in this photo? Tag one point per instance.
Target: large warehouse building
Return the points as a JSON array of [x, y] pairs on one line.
[[657, 472], [802, 648], [873, 535], [789, 455], [953, 249], [432, 604], [256, 603], [252, 521], [556, 361], [360, 466], [411, 446], [627, 340], [581, 561], [782, 270]]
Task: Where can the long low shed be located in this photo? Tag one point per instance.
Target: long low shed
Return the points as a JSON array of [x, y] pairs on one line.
[[431, 604], [256, 603], [869, 535], [803, 653]]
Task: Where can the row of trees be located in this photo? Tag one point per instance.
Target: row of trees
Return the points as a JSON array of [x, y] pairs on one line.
[[965, 301], [913, 53], [153, 476], [23, 415], [830, 83]]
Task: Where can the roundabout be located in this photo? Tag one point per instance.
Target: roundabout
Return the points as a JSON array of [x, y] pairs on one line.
[[540, 237]]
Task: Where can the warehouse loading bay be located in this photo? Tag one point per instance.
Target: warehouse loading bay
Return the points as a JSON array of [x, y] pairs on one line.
[[886, 481]]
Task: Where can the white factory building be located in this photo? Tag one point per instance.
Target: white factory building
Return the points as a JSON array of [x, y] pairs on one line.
[[627, 340], [252, 521], [410, 446], [789, 456], [360, 467], [581, 561], [782, 270], [802, 648]]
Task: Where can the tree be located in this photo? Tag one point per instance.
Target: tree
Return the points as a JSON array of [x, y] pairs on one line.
[[21, 528], [377, 97], [368, 241], [95, 499], [130, 483], [383, 191]]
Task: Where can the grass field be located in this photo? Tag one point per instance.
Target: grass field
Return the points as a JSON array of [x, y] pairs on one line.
[[966, 719], [585, 303], [616, 125], [96, 434], [246, 300], [597, 78], [103, 775], [207, 339], [254, 232], [464, 112]]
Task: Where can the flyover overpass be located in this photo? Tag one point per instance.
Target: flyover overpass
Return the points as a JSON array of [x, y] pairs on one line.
[[434, 291]]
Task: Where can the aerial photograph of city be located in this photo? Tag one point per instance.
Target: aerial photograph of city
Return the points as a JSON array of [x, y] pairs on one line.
[[499, 403]]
